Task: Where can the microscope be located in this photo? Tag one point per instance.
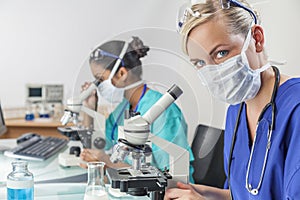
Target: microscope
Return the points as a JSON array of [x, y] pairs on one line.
[[141, 178], [89, 137]]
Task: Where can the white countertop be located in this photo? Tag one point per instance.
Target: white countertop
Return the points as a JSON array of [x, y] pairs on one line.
[[44, 170]]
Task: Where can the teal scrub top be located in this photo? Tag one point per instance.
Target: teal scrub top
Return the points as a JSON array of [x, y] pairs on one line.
[[170, 125]]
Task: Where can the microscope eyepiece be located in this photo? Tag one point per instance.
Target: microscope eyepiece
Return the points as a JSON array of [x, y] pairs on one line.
[[96, 82], [175, 91]]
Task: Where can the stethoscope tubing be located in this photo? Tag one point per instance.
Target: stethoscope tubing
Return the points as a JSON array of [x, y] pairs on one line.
[[271, 128]]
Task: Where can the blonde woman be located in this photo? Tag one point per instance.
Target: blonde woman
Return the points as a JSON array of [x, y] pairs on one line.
[[226, 44]]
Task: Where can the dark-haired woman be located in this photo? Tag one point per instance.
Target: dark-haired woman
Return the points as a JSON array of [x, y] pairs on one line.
[[117, 65]]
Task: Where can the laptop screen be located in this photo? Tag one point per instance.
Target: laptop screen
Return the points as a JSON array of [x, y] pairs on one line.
[[3, 128]]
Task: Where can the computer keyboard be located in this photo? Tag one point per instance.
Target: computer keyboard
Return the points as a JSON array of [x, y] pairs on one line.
[[37, 148]]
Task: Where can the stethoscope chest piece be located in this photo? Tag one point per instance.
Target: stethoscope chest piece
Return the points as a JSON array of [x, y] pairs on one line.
[[252, 191], [249, 187]]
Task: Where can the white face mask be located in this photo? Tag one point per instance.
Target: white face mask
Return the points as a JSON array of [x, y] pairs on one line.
[[110, 92], [107, 90], [113, 94], [233, 81]]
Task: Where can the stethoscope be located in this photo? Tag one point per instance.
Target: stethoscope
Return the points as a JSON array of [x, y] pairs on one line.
[[122, 112], [249, 187]]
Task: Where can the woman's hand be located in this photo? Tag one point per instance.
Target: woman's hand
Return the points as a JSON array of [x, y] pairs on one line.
[[91, 101], [184, 191], [94, 155]]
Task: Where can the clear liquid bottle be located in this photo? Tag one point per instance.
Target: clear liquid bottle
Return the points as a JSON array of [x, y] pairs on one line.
[[20, 182], [95, 187]]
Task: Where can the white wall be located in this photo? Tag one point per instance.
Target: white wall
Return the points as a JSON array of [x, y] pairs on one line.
[[48, 41], [281, 23]]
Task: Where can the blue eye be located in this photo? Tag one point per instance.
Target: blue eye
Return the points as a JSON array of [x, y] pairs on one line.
[[199, 63], [222, 54]]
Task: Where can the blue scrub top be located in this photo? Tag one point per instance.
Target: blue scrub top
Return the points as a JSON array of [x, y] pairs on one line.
[[281, 179], [170, 126]]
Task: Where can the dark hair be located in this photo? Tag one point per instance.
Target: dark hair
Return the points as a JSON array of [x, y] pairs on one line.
[[131, 60]]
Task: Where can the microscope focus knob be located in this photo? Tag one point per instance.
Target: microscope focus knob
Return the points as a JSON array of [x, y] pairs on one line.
[[147, 150], [99, 143], [75, 150]]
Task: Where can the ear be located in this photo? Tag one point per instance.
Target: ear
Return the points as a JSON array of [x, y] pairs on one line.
[[259, 37], [122, 74]]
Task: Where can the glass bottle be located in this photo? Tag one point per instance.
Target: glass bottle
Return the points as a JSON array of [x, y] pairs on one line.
[[29, 115], [20, 182], [95, 187]]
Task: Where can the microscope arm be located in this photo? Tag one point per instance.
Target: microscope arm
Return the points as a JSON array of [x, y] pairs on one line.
[[136, 133], [74, 104], [86, 93], [179, 160], [137, 128], [99, 120], [96, 138], [162, 104]]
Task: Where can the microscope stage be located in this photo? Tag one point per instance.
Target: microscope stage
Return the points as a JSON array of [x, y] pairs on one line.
[[137, 182]]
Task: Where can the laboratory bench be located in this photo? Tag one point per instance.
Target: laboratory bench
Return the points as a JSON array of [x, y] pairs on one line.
[[43, 171], [46, 127], [53, 182]]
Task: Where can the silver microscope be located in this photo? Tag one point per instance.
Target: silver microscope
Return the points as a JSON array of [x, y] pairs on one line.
[[141, 178], [90, 138]]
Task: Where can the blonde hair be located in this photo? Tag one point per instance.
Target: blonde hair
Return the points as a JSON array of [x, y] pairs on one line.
[[236, 18]]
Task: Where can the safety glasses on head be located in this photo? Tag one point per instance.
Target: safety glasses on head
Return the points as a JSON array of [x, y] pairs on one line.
[[226, 4], [99, 54], [110, 92], [186, 11]]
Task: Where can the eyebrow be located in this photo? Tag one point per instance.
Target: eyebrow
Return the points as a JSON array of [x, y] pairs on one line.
[[211, 52], [214, 49], [98, 76], [194, 59]]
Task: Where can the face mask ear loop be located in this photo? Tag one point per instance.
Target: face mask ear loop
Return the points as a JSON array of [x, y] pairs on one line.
[[275, 62], [263, 68], [114, 69], [133, 85], [247, 41]]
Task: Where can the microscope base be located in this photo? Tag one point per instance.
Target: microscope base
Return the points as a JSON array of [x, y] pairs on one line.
[[151, 181], [68, 160]]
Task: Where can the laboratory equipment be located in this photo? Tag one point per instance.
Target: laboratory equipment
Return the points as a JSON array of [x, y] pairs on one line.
[[90, 138], [141, 178], [44, 112], [29, 115], [254, 190], [20, 182], [3, 127], [94, 138], [43, 99], [49, 93], [36, 147], [95, 188], [3, 130]]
